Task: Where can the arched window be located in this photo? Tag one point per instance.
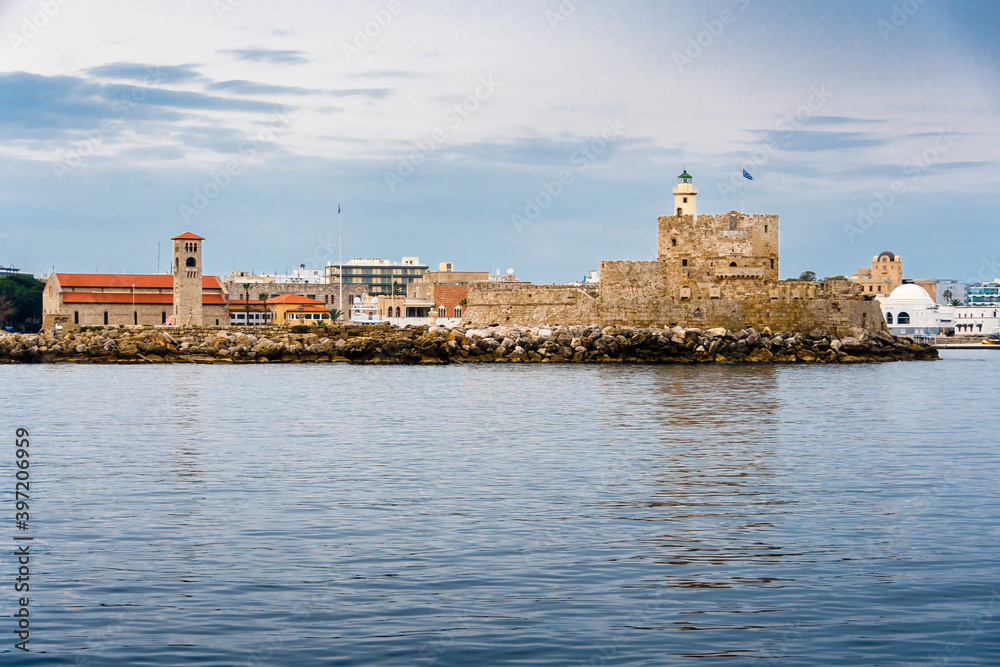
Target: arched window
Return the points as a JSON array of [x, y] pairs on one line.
[[397, 311], [732, 263], [678, 211], [163, 317], [190, 261], [76, 317], [105, 318], [442, 311], [903, 318], [458, 311], [888, 318], [195, 247]]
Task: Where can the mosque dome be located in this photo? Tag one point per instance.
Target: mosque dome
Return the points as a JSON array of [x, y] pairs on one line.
[[912, 293]]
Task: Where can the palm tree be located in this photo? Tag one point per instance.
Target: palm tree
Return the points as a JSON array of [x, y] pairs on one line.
[[948, 296], [246, 292], [264, 296], [335, 314]]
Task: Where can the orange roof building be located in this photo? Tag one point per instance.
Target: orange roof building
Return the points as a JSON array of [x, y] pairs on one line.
[[101, 299]]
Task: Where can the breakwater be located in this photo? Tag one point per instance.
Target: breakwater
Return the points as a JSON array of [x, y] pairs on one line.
[[437, 345]]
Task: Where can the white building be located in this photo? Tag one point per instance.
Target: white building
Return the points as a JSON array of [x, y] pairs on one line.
[[911, 311], [977, 320]]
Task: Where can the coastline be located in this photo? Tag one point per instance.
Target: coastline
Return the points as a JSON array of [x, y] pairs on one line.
[[437, 345]]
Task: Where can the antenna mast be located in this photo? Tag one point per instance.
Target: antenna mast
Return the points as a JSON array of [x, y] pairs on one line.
[[340, 258]]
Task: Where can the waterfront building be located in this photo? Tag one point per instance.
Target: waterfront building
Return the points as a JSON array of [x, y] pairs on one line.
[[711, 271], [377, 276], [329, 294], [295, 309], [911, 311], [983, 294], [96, 299], [977, 320], [885, 274], [248, 312]]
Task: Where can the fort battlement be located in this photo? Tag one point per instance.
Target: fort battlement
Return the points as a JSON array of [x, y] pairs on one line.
[[711, 271]]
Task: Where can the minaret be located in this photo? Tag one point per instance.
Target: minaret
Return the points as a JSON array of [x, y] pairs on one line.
[[684, 196], [187, 279]]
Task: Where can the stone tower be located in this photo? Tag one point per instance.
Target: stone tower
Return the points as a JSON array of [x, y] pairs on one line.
[[684, 196], [187, 279]]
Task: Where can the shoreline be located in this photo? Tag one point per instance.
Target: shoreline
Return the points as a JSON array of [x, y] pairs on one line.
[[360, 344]]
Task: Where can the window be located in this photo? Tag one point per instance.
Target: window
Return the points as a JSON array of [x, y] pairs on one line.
[[189, 262], [76, 317], [163, 317], [442, 311], [888, 318], [458, 311], [903, 318], [397, 311], [731, 264], [135, 318], [673, 242], [685, 200], [772, 261], [678, 211], [684, 262], [105, 317], [765, 229]]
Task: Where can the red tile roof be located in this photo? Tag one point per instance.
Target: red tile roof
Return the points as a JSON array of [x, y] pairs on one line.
[[188, 236], [126, 281], [295, 298], [140, 298]]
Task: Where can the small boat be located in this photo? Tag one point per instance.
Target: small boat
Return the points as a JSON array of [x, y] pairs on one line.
[[992, 339]]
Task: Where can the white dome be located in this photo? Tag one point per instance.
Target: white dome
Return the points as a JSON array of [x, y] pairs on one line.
[[910, 292]]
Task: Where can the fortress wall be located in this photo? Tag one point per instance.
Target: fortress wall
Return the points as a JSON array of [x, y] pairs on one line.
[[530, 305]]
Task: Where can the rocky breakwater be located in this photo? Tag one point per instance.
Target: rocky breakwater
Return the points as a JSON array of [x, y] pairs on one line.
[[436, 345]]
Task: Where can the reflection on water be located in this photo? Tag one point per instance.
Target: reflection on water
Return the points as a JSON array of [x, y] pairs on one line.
[[501, 515]]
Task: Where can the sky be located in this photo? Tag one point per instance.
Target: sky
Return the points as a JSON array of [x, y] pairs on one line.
[[539, 135]]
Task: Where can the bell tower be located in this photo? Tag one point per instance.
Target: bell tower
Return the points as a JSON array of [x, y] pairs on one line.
[[684, 196], [187, 279]]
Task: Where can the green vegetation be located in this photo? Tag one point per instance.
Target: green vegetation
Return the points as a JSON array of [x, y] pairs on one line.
[[21, 302], [300, 328], [335, 314]]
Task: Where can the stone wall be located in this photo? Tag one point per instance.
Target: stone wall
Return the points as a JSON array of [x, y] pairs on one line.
[[633, 296]]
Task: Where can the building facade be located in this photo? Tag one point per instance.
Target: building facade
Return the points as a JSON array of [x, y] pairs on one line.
[[94, 299], [977, 320], [885, 274], [910, 311], [378, 276], [983, 294]]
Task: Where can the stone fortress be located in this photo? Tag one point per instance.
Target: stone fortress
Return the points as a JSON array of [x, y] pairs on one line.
[[711, 271]]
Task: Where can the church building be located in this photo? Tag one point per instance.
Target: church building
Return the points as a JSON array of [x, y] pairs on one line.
[[186, 298]]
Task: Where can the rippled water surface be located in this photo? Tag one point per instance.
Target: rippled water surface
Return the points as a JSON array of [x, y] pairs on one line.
[[543, 515]]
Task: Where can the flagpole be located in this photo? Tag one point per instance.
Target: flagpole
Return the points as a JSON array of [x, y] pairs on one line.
[[743, 184], [340, 256]]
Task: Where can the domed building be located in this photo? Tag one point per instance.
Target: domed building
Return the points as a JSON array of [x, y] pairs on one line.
[[911, 311]]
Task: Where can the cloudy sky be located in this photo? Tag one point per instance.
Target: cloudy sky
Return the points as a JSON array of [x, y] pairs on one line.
[[445, 127]]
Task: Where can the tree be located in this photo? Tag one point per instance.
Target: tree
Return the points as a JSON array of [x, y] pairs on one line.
[[246, 293], [22, 295], [948, 296], [956, 302], [808, 276], [335, 314], [836, 278], [264, 296]]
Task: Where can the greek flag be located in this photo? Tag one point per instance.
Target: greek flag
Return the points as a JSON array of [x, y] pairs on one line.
[[747, 175], [338, 204]]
